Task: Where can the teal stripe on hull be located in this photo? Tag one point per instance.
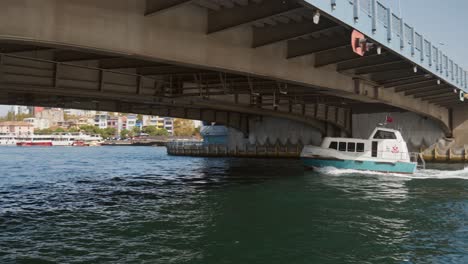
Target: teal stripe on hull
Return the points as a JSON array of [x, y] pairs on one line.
[[398, 167]]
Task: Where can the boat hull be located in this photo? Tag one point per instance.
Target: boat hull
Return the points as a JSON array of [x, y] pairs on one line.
[[34, 144], [387, 167]]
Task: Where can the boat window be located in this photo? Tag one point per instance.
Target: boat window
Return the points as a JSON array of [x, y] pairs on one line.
[[342, 146], [375, 147], [333, 145], [384, 135], [360, 147], [351, 147]]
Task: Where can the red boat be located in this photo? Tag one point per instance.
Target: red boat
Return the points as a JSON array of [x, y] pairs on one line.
[[80, 144], [34, 144]]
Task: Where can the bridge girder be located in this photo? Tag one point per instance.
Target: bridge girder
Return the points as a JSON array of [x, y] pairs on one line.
[[28, 81]]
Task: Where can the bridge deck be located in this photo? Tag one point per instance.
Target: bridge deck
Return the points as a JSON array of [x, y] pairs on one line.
[[379, 23]]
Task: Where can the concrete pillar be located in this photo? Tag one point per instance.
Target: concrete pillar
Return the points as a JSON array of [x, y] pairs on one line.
[[460, 125]]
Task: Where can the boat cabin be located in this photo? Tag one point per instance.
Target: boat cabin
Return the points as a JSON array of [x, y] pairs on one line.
[[384, 143]]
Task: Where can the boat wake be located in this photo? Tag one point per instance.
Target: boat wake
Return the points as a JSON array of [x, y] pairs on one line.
[[419, 174]]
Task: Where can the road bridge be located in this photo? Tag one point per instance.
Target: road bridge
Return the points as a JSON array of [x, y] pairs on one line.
[[228, 61]]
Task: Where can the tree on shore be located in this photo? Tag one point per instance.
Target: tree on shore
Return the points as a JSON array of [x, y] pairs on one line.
[[184, 127], [154, 131], [11, 116]]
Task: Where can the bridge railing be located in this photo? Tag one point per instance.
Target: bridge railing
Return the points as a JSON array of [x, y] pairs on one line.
[[377, 21]]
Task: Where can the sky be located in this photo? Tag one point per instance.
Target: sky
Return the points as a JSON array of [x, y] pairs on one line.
[[440, 21]]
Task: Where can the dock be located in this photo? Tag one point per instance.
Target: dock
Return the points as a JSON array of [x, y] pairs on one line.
[[199, 149]]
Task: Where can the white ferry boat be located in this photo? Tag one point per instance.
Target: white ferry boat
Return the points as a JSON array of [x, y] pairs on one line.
[[7, 139], [61, 139], [384, 151]]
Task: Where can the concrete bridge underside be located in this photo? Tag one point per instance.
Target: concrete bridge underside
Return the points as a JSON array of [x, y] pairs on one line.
[[224, 61]]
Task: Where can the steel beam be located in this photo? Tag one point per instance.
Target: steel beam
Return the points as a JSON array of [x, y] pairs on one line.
[[335, 56], [125, 63], [302, 47], [391, 76], [72, 55], [430, 90], [285, 31], [386, 67], [368, 60], [425, 89], [413, 80], [241, 15], [433, 94], [168, 70], [412, 86], [440, 96], [156, 6], [447, 98]]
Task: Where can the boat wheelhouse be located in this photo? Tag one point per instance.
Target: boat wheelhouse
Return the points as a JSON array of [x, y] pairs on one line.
[[384, 151]]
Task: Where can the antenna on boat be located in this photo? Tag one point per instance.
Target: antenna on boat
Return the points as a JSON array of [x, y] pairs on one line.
[[388, 120]]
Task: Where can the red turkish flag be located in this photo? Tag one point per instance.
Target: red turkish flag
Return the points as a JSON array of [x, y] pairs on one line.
[[389, 119]]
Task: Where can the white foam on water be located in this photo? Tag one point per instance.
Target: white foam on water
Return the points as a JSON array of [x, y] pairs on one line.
[[441, 174], [419, 174]]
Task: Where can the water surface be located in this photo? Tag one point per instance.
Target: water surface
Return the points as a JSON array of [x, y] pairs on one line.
[[138, 205]]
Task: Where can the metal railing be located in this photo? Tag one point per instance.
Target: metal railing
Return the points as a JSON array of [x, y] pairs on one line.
[[422, 50]]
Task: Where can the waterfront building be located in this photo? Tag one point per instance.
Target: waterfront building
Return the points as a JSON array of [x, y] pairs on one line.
[[169, 125], [100, 120], [131, 121], [80, 113], [159, 122], [122, 123], [54, 115], [38, 123], [21, 110], [17, 128]]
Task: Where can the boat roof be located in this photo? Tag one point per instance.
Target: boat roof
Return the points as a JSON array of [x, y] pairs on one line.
[[371, 136]]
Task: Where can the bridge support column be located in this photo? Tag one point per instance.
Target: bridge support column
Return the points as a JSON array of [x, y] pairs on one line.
[[459, 126]]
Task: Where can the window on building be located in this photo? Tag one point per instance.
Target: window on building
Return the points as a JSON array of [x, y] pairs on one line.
[[384, 135], [342, 146], [333, 145], [360, 147], [351, 147]]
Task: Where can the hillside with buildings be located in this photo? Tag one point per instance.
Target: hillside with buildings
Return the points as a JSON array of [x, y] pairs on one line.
[[23, 120]]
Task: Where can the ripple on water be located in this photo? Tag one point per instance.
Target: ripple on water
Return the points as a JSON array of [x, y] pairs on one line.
[[136, 205]]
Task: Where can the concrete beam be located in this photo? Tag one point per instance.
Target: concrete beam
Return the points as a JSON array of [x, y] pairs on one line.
[[71, 55], [414, 86], [302, 47], [125, 63], [408, 81], [285, 31], [394, 75], [168, 70], [434, 90], [445, 98], [154, 7], [385, 67], [334, 56], [453, 105], [446, 94], [241, 15], [426, 89], [368, 61]]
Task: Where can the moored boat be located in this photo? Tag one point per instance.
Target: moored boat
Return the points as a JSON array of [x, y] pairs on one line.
[[7, 139], [384, 151], [60, 139]]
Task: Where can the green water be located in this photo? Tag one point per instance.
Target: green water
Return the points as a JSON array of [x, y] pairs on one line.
[[137, 205]]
